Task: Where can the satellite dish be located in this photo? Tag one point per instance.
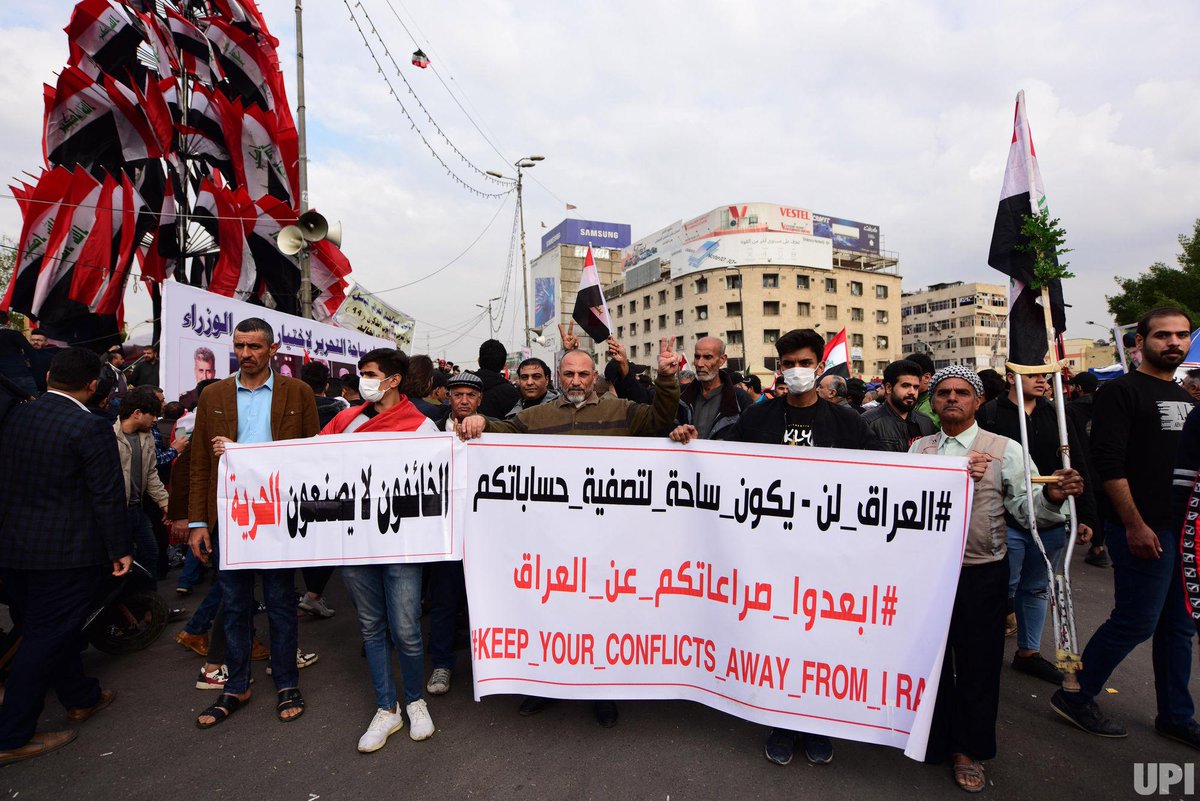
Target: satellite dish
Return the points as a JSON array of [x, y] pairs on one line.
[[334, 234], [313, 226], [291, 240]]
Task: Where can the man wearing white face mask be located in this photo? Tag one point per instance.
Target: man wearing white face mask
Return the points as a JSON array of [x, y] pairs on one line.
[[388, 597], [801, 418]]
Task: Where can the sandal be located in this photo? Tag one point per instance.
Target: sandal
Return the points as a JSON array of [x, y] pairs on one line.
[[966, 773], [224, 706], [289, 699]]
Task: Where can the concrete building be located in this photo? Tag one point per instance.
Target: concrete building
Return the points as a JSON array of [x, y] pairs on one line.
[[957, 323], [1083, 354]]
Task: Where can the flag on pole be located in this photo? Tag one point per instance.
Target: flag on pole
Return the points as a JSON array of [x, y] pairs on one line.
[[837, 356], [1022, 195], [571, 207], [591, 312]]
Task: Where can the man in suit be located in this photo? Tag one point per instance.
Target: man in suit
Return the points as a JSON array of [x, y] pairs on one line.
[[62, 524], [253, 405]]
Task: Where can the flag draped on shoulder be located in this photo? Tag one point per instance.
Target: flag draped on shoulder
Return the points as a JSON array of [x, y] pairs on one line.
[[1023, 195], [837, 356], [591, 312]]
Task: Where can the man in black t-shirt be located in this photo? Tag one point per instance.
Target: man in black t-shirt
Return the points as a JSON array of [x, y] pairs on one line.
[[799, 418], [1136, 427]]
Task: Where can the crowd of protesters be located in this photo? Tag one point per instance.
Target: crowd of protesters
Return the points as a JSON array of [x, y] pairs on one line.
[[97, 470]]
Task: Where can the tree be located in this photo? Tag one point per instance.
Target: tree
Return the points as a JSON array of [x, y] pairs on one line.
[[8, 264], [1162, 285]]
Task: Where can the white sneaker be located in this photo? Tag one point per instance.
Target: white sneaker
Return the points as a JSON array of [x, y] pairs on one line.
[[212, 681], [421, 725], [385, 723], [439, 682]]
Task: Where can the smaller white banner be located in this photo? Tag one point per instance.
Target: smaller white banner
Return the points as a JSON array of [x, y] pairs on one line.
[[348, 499]]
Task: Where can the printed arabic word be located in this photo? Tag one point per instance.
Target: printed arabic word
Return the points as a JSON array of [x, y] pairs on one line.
[[265, 511], [879, 614]]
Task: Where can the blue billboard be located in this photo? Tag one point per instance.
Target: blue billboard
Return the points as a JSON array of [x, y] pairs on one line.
[[588, 232], [545, 301], [847, 234]]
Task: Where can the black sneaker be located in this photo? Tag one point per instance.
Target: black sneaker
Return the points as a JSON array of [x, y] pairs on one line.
[[1186, 733], [1084, 713], [1038, 667], [605, 713], [1098, 558], [781, 744], [532, 704], [817, 748]]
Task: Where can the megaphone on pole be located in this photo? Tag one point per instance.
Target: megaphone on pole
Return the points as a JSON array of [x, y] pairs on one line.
[[313, 226], [291, 240]]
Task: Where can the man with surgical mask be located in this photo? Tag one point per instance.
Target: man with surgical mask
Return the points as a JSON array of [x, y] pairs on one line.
[[800, 418]]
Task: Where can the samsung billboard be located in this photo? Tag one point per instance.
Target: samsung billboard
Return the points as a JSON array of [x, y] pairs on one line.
[[587, 232]]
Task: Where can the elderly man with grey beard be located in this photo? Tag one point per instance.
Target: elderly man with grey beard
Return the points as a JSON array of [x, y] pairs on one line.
[[715, 401], [580, 411]]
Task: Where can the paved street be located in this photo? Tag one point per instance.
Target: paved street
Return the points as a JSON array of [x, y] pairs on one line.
[[146, 747]]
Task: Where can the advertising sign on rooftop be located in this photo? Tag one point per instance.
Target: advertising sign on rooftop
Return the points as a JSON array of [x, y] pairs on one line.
[[847, 234], [751, 233], [587, 232]]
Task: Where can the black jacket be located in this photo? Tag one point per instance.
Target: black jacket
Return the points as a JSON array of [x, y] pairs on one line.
[[498, 395], [834, 426], [733, 401], [1000, 417], [896, 434]]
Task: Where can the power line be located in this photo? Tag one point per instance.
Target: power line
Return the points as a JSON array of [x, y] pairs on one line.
[[392, 90]]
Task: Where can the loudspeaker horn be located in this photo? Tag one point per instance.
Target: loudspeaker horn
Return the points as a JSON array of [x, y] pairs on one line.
[[334, 234], [313, 226], [291, 240]]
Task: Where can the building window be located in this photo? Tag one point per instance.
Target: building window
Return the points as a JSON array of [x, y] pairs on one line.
[[803, 309], [856, 288], [881, 365], [881, 316], [701, 334], [662, 296], [934, 305], [801, 282], [620, 331], [733, 282], [679, 292], [733, 309], [620, 310], [701, 312], [856, 340], [679, 317], [733, 337], [646, 302], [632, 351], [633, 329], [633, 307], [679, 342], [857, 366], [701, 285], [646, 349], [770, 308], [831, 285], [770, 280], [772, 364], [881, 342], [856, 315], [881, 291], [646, 325], [831, 312], [662, 322], [919, 309], [770, 335]]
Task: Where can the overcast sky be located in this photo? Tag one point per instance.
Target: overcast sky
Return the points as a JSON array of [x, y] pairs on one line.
[[897, 114]]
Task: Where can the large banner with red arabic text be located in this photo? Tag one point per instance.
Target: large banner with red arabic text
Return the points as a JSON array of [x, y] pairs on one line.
[[803, 588]]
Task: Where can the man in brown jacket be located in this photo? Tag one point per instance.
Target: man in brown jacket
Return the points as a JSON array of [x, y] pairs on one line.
[[253, 405]]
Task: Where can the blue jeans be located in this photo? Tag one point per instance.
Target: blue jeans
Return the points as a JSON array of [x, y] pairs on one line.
[[190, 575], [237, 588], [388, 600], [202, 619], [1028, 580], [447, 597], [1148, 601], [145, 547]]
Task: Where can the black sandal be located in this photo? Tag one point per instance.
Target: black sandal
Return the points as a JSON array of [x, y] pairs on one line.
[[289, 699], [225, 706]]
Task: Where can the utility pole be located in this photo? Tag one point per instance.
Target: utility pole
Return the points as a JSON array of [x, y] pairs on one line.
[[491, 324], [522, 164], [305, 269]]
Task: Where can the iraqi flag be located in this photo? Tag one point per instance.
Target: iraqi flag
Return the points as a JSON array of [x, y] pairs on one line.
[[591, 312], [837, 356], [1022, 195]]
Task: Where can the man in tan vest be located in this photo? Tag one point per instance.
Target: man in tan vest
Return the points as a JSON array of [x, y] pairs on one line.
[[964, 715]]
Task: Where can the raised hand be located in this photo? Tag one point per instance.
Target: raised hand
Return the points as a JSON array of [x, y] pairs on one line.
[[569, 339], [616, 353], [668, 359]]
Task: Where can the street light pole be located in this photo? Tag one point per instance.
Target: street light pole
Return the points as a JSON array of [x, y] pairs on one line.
[[305, 268], [491, 324], [522, 164]]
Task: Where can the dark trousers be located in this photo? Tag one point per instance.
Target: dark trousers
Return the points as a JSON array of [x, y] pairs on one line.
[[1148, 601], [279, 595], [316, 578], [50, 607], [447, 597], [964, 714]]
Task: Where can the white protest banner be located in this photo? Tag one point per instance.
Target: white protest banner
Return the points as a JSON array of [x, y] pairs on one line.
[[197, 340], [346, 499], [362, 311], [802, 588]]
